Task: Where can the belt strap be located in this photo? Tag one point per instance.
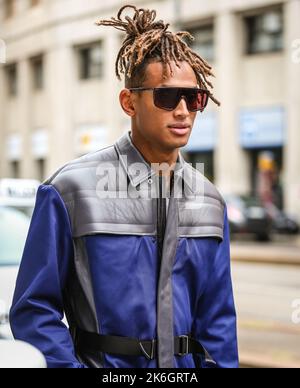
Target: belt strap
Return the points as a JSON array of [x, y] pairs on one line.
[[126, 346]]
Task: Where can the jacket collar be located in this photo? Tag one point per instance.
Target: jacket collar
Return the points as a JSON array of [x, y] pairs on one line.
[[129, 154]]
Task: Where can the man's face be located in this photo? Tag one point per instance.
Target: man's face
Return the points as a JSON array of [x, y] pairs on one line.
[[154, 124]]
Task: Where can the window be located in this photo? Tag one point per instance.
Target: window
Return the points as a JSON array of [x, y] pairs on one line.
[[40, 166], [265, 32], [203, 44], [91, 61], [33, 3], [15, 169], [207, 158], [37, 66], [9, 8], [12, 79]]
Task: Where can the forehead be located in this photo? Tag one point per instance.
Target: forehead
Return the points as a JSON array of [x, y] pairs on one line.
[[183, 76]]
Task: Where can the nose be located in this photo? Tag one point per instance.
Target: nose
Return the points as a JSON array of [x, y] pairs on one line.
[[181, 109]]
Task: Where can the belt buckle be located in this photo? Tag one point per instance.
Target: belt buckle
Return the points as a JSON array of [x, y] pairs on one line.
[[151, 355], [183, 345]]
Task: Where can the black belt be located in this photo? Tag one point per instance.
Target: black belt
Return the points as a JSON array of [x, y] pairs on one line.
[[125, 346]]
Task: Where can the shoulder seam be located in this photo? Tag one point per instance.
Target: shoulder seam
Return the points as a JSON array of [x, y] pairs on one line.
[[71, 164]]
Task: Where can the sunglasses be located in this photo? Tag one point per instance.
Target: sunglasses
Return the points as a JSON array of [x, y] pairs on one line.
[[168, 98]]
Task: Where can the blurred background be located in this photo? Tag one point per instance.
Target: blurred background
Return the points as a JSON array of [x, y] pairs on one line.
[[59, 99]]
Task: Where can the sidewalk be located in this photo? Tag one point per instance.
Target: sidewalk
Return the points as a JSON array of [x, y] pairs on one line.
[[282, 251], [250, 361], [264, 292], [268, 345]]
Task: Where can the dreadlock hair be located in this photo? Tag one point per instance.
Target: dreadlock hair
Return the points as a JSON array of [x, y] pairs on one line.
[[149, 41]]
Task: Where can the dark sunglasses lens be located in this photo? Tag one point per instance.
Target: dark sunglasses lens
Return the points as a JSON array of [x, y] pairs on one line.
[[166, 98], [205, 97], [196, 100]]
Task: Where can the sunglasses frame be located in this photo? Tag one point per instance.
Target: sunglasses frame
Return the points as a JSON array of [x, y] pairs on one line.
[[204, 91]]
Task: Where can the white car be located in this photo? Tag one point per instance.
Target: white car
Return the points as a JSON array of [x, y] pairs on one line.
[[17, 199], [18, 354], [19, 194], [13, 231]]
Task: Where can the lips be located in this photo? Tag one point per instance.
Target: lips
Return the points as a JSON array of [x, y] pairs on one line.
[[179, 125], [180, 130]]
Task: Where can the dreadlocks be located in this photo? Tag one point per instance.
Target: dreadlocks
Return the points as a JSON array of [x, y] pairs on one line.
[[150, 41]]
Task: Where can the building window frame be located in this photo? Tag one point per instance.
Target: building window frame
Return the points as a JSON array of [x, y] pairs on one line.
[[9, 7], [34, 3], [15, 169], [37, 71], [207, 47], [91, 60], [262, 34], [11, 71]]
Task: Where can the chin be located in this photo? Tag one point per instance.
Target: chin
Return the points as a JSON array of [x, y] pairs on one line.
[[180, 141], [175, 144], [172, 142]]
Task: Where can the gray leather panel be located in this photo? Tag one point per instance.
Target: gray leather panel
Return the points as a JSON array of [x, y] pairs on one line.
[[203, 217], [118, 216], [84, 276], [165, 325], [83, 187]]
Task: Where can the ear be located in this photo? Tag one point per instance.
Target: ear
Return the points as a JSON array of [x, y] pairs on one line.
[[127, 102]]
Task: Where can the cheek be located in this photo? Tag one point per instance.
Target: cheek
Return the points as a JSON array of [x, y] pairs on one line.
[[152, 117], [146, 110]]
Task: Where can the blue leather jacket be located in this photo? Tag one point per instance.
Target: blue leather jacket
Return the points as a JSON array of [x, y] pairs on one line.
[[96, 259]]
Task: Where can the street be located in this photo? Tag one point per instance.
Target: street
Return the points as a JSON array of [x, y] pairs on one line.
[[264, 295]]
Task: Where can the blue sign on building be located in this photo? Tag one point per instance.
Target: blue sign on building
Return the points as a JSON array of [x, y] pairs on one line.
[[204, 134], [262, 127]]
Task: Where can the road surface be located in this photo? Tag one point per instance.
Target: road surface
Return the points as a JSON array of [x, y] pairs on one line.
[[264, 296]]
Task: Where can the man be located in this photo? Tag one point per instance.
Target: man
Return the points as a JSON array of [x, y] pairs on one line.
[[144, 280]]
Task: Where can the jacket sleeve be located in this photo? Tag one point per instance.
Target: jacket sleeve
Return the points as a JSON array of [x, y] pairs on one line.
[[37, 310], [216, 317]]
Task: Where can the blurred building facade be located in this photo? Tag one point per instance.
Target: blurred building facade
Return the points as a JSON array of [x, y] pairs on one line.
[[59, 95]]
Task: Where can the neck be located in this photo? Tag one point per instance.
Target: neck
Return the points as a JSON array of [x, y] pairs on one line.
[[154, 156]]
